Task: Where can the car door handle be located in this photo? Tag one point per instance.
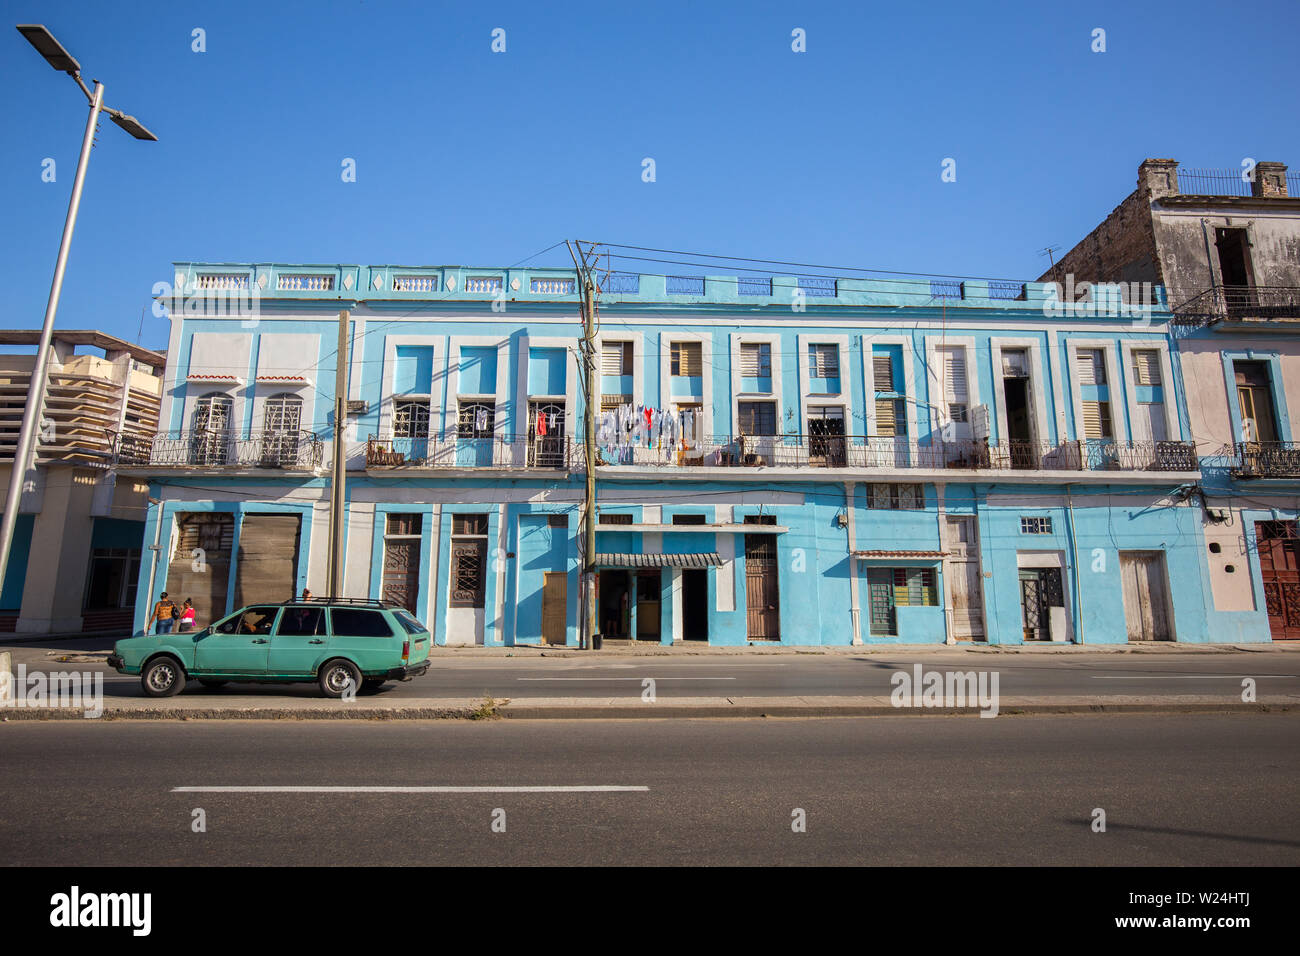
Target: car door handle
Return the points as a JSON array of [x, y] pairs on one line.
[[260, 640], [315, 642]]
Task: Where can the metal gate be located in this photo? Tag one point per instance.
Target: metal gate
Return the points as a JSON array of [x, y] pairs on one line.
[[762, 602], [1278, 543], [283, 419], [1040, 589], [880, 595], [826, 437]]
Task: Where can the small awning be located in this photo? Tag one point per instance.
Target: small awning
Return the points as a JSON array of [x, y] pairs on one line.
[[702, 559]]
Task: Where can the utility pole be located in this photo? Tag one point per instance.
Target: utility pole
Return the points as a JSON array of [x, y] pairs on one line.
[[339, 470], [588, 349]]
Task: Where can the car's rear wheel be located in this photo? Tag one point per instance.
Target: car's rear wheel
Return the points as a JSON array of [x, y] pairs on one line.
[[212, 684], [163, 677], [337, 676]]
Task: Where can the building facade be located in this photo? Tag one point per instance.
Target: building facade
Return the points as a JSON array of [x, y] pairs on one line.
[[75, 560], [1226, 244], [792, 460]]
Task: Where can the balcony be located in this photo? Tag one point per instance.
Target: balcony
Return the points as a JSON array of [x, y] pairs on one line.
[[1239, 304], [283, 450], [1273, 459], [890, 454], [541, 452]]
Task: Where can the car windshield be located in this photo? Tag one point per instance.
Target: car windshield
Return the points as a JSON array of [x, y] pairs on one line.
[[408, 621]]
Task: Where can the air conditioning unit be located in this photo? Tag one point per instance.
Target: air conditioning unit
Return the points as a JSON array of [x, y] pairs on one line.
[[358, 406]]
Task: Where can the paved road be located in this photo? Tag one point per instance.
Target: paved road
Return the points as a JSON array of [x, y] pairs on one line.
[[847, 675], [1195, 790]]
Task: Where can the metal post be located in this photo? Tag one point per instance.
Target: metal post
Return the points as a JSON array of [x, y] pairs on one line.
[[339, 470], [589, 441], [23, 454]]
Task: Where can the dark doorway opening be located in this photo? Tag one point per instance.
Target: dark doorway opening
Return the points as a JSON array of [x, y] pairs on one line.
[[1234, 268], [615, 604], [695, 604], [648, 598], [1019, 434]]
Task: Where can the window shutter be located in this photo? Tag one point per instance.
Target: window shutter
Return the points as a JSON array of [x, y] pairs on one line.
[[882, 369], [614, 360], [1096, 420], [823, 361], [954, 375], [886, 419], [692, 365], [1090, 367], [749, 361], [1146, 367]]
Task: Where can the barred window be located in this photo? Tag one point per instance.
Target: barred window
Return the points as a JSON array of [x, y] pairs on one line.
[[757, 418], [1031, 524], [410, 419], [604, 518], [468, 560], [914, 587], [475, 420], [895, 497]]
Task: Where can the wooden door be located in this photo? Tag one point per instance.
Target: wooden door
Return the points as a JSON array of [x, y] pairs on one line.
[[555, 607], [1146, 595], [762, 601], [965, 586], [402, 572], [1278, 544]]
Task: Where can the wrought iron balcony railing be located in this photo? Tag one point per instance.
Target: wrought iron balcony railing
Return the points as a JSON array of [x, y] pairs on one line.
[[543, 451], [1239, 302], [199, 449], [1265, 459], [860, 452]]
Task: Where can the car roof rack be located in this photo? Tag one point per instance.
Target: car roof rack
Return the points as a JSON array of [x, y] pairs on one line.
[[344, 602]]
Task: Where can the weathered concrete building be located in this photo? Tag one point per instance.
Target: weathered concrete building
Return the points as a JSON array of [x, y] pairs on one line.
[[1226, 245], [76, 549]]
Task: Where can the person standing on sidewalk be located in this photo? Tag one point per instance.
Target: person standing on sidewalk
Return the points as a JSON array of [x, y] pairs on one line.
[[164, 612]]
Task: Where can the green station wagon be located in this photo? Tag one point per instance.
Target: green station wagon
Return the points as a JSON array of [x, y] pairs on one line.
[[341, 644]]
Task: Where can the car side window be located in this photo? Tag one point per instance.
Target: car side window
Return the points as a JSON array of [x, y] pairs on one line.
[[353, 622], [301, 622], [257, 620]]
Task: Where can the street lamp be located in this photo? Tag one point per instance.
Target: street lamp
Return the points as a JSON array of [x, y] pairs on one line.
[[61, 60]]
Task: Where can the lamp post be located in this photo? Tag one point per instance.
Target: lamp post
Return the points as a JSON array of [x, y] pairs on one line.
[[61, 60]]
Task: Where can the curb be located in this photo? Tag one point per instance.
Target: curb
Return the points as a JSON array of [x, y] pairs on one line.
[[642, 711]]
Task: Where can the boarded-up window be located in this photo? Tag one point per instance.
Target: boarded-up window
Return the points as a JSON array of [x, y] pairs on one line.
[[200, 565], [1091, 366], [882, 371], [1146, 367], [823, 361], [266, 569], [687, 359], [1096, 420], [755, 360], [616, 358]]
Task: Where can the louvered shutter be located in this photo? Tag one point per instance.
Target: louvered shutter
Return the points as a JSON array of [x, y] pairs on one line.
[[823, 361], [1146, 367], [613, 358], [689, 359], [1090, 367], [886, 419], [749, 361], [882, 369], [1096, 420], [954, 375]]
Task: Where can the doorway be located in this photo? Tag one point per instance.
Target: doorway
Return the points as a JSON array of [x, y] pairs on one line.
[[1278, 546], [648, 605], [555, 606], [962, 578], [615, 604], [1233, 249], [1040, 591], [695, 604], [1146, 595]]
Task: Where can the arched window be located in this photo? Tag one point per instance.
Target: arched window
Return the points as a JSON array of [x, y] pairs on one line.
[[282, 423], [210, 435]]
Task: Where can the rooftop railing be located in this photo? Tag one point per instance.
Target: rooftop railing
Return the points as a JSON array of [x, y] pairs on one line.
[[201, 449]]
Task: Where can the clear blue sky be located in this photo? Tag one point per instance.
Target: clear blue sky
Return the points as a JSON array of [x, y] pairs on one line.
[[469, 157]]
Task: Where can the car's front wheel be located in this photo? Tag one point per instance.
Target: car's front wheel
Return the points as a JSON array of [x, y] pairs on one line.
[[163, 677], [338, 677]]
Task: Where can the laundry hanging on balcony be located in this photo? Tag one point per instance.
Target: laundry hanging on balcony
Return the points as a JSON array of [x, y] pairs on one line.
[[480, 420]]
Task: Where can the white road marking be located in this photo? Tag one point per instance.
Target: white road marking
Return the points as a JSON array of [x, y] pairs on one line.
[[526, 789], [625, 678], [1195, 677]]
